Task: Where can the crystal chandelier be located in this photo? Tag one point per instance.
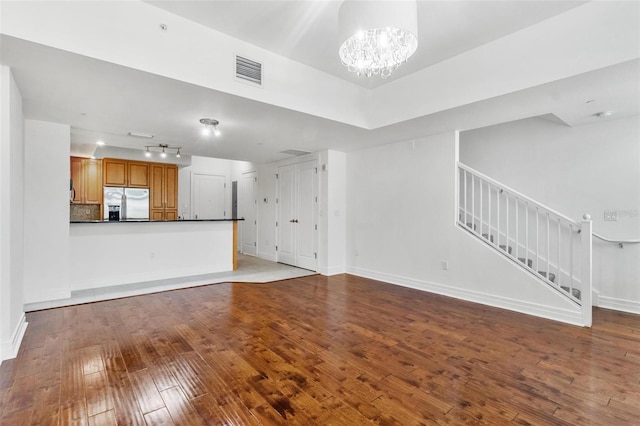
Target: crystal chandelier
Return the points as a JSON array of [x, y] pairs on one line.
[[379, 35]]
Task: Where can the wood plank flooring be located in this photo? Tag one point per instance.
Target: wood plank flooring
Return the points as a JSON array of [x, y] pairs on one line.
[[317, 350]]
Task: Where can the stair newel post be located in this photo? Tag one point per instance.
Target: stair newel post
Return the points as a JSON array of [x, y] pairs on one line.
[[585, 266]]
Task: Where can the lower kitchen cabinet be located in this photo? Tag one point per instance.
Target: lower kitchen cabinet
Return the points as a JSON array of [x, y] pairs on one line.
[[163, 203]]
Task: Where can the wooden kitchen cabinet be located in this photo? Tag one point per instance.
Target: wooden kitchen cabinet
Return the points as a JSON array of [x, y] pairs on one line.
[[129, 174], [114, 172], [86, 174], [138, 174], [163, 189]]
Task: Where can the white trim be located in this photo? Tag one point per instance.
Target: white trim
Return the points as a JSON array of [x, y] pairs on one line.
[[563, 315], [623, 305], [328, 271], [10, 349]]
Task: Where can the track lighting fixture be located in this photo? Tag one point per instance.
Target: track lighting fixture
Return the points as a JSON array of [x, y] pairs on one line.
[[164, 147]]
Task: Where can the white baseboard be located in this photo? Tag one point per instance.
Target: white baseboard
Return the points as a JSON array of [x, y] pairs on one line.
[[623, 305], [328, 271], [10, 348], [563, 315]]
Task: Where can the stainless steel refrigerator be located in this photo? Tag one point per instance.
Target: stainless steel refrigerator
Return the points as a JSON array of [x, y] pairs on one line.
[[133, 202]]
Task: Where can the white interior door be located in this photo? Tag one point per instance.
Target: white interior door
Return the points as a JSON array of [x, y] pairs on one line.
[[297, 214], [248, 209], [286, 215], [305, 217], [207, 196]]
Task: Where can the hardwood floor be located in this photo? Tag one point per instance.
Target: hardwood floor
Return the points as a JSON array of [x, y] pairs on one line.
[[318, 350]]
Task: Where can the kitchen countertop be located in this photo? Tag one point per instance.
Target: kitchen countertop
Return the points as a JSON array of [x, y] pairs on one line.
[[156, 221]]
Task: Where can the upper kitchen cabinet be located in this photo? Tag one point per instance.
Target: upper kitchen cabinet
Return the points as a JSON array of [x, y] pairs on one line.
[[138, 174], [164, 192], [129, 174], [86, 177]]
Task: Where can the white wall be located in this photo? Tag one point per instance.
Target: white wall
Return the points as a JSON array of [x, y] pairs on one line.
[[46, 211], [332, 212], [240, 167], [12, 319], [205, 165], [587, 169], [401, 227]]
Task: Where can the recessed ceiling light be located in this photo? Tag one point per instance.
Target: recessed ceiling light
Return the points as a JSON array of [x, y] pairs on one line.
[[100, 143], [140, 135]]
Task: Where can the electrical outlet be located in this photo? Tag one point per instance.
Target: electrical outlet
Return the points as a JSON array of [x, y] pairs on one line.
[[610, 216], [445, 265]]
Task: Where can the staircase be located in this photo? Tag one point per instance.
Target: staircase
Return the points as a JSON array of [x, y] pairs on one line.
[[550, 246]]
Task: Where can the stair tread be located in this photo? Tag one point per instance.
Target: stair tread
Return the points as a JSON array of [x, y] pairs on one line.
[[488, 237], [503, 247], [529, 261], [552, 276], [574, 291]]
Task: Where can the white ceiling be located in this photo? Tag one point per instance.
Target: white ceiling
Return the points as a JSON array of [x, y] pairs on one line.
[[102, 100]]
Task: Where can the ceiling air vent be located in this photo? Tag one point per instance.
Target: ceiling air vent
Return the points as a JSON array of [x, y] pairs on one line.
[[295, 152], [248, 70]]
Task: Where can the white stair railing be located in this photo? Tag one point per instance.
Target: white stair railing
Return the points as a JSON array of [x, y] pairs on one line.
[[549, 245]]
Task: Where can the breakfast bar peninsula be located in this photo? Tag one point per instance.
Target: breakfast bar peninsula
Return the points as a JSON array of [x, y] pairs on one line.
[[111, 253]]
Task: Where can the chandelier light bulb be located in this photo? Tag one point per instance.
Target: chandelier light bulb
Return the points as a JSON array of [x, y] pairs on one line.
[[163, 154], [205, 130], [216, 131], [178, 154], [147, 153]]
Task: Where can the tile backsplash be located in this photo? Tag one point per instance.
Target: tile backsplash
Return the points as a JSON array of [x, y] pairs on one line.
[[84, 212]]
